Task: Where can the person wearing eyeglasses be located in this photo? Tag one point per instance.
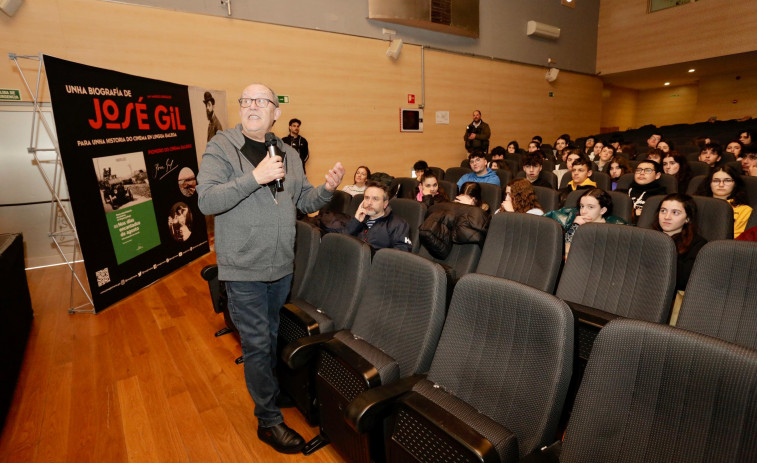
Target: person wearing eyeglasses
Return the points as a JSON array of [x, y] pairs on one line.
[[254, 241], [646, 183], [724, 182]]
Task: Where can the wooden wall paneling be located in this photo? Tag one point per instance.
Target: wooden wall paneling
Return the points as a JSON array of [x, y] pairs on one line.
[[667, 106], [619, 106], [717, 95], [629, 38]]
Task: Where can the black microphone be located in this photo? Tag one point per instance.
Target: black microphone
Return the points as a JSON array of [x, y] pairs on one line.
[[270, 143]]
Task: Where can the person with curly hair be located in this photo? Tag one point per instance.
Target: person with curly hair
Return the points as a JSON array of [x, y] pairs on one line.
[[520, 197]]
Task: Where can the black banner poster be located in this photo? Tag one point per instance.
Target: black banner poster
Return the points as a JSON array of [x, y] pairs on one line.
[[129, 155]]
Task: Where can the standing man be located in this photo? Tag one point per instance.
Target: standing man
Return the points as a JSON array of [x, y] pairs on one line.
[[296, 141], [214, 125], [477, 134], [255, 232]]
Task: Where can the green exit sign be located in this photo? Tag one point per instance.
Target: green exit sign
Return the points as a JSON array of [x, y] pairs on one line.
[[283, 98], [9, 94]]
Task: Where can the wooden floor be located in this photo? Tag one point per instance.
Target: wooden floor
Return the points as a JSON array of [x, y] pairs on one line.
[[143, 381]]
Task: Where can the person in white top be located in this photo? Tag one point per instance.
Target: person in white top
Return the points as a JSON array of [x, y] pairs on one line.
[[362, 174]]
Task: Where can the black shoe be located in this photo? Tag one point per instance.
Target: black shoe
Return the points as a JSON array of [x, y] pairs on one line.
[[282, 438], [285, 401]]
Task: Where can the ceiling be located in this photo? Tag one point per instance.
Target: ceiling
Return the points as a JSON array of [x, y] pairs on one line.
[[677, 74]]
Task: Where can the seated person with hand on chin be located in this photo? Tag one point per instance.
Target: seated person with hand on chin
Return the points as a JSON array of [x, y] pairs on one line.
[[645, 184], [375, 224], [429, 192]]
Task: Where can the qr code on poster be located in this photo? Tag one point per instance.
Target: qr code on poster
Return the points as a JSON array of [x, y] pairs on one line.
[[103, 277]]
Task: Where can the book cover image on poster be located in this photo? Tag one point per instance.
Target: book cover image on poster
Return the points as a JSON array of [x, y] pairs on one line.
[[127, 201]]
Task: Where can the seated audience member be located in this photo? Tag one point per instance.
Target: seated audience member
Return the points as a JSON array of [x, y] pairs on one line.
[[617, 142], [665, 146], [645, 184], [537, 139], [605, 156], [532, 166], [619, 166], [749, 161], [654, 139], [481, 173], [589, 147], [628, 150], [596, 150], [375, 224], [745, 137], [470, 194], [580, 173], [675, 164], [513, 147], [430, 193], [725, 183], [559, 148], [497, 165], [520, 197], [498, 153], [420, 167], [676, 217], [594, 206], [534, 147], [571, 155], [655, 155], [362, 174], [734, 147], [711, 154]]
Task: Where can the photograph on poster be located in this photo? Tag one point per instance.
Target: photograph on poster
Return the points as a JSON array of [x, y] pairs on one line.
[[180, 222], [187, 182]]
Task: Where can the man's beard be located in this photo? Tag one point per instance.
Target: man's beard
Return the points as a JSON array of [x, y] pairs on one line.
[[210, 115]]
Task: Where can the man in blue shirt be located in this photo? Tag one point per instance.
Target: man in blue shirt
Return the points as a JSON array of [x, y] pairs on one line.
[[481, 173]]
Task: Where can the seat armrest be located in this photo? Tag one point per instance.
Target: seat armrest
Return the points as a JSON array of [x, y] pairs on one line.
[[591, 316], [209, 272], [469, 439], [356, 362], [295, 309], [298, 353], [371, 406], [549, 454]]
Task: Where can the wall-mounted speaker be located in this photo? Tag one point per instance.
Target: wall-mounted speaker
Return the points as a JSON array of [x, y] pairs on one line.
[[552, 74], [395, 48], [10, 7], [542, 30]]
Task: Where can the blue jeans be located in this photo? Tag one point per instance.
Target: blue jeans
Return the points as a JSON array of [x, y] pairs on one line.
[[254, 308]]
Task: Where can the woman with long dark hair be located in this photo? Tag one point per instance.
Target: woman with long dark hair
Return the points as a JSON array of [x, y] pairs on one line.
[[677, 165], [676, 217]]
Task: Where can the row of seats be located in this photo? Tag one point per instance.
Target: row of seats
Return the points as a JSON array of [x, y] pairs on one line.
[[405, 285], [340, 387]]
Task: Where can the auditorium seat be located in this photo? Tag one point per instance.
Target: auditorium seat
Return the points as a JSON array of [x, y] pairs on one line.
[[453, 174], [489, 394], [413, 212]]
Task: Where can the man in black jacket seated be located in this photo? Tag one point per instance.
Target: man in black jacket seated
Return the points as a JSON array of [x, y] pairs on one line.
[[645, 185], [375, 224]]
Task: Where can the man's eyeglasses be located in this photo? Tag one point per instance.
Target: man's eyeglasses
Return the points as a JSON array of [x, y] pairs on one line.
[[259, 102], [647, 170], [722, 181]]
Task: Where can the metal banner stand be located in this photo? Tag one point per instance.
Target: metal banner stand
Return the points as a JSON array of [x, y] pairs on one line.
[[62, 227]]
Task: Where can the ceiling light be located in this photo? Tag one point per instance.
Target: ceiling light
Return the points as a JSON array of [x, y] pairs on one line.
[[692, 70], [667, 83]]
